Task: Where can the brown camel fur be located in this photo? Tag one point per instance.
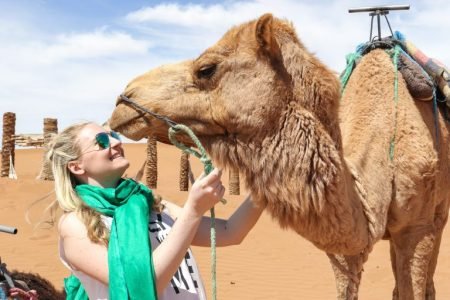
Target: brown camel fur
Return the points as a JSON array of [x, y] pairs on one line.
[[261, 103]]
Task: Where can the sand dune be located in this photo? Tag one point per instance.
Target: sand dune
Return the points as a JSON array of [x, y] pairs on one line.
[[270, 264]]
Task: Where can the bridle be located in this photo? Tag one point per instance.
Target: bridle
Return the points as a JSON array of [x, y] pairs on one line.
[[140, 108]]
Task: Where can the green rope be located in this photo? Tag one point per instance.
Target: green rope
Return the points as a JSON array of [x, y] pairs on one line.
[[395, 54], [352, 59], [208, 167]]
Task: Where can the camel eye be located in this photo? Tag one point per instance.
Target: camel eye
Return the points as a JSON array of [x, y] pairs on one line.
[[206, 71]]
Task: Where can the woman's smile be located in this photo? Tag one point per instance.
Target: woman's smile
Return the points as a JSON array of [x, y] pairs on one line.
[[117, 155]]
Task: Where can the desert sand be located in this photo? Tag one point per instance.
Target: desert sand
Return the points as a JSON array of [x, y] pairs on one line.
[[270, 264]]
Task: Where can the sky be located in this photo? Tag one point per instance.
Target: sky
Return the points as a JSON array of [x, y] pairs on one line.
[[70, 59]]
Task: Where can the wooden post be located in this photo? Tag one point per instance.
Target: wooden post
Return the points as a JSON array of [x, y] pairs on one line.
[[50, 129], [234, 182], [151, 170], [8, 146], [184, 171]]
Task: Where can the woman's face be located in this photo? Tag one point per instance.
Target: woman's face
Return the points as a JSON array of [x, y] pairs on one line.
[[98, 166]]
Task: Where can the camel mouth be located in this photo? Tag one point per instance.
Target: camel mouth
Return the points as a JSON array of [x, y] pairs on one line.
[[129, 127], [129, 130], [141, 127], [137, 125]]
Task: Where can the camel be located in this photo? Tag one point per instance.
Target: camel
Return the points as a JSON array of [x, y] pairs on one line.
[[260, 102]]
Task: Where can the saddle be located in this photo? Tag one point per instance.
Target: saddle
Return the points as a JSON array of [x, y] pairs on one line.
[[439, 73], [426, 78], [420, 85]]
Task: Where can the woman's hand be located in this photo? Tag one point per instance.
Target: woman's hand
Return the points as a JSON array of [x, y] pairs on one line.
[[205, 193], [18, 293]]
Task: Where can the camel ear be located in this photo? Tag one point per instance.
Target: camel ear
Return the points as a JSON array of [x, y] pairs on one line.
[[265, 38]]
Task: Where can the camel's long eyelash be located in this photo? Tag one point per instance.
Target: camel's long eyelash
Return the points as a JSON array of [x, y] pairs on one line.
[[207, 71]]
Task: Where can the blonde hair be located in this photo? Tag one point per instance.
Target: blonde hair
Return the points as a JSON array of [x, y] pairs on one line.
[[62, 149]]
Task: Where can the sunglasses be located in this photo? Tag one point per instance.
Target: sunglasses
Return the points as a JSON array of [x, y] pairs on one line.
[[103, 141]]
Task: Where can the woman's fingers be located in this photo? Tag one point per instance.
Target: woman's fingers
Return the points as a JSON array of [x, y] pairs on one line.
[[30, 295], [220, 192], [217, 184], [206, 192], [212, 177]]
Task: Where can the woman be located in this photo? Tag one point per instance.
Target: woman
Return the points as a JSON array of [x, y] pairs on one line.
[[104, 233]]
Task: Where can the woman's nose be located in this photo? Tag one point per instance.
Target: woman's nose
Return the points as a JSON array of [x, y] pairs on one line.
[[114, 142]]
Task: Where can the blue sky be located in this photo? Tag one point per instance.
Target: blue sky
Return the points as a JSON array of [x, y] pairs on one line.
[[70, 59]]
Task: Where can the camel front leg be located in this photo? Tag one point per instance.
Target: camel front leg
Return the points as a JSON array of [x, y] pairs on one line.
[[394, 269], [347, 272], [440, 220], [430, 292], [413, 249]]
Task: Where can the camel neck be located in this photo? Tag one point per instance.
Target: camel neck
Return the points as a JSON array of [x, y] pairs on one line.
[[304, 181]]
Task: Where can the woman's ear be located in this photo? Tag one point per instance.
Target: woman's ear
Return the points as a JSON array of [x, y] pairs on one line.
[[75, 168]]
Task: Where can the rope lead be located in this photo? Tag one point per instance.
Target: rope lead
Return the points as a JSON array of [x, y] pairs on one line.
[[395, 55], [208, 167]]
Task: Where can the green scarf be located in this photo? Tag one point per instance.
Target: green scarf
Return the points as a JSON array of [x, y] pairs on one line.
[[130, 262]]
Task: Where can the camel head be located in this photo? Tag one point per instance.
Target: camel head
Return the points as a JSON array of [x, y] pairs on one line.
[[261, 103], [237, 91]]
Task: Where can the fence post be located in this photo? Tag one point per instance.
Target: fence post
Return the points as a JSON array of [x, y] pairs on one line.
[[234, 182], [50, 128], [151, 172], [8, 145], [184, 171]]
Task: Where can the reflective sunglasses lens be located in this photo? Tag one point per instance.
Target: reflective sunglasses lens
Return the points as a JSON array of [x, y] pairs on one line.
[[102, 139], [115, 135]]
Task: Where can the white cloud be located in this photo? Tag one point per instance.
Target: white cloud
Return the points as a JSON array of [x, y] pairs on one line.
[[195, 15], [70, 76], [326, 28], [190, 15], [99, 43], [192, 26]]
